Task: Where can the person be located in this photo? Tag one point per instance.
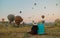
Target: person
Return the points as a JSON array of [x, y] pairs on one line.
[[34, 29], [40, 28]]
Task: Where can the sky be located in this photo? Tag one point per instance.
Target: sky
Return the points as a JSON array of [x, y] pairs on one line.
[[49, 8]]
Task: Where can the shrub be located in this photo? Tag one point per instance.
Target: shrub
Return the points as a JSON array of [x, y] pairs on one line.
[[57, 22]]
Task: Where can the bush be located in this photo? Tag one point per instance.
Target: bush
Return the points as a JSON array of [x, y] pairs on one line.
[[57, 22]]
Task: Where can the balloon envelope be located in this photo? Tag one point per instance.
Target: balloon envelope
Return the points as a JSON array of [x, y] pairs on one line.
[[53, 14], [32, 8], [56, 4], [3, 19], [45, 7], [18, 19], [11, 17], [35, 4], [42, 16], [20, 11]]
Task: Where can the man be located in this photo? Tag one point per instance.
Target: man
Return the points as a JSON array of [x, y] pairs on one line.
[[34, 29]]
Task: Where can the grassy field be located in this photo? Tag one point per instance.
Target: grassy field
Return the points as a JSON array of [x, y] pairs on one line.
[[9, 31]]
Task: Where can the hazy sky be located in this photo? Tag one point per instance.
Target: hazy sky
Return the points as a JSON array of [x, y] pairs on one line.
[[49, 8]]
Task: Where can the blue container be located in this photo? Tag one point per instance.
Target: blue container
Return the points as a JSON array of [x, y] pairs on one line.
[[40, 28]]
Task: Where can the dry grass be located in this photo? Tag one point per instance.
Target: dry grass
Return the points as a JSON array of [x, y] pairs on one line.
[[21, 32]]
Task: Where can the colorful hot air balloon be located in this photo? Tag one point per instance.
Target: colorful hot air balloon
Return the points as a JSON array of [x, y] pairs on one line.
[[18, 20], [11, 17]]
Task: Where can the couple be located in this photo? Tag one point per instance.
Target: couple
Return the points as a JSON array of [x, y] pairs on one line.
[[37, 28]]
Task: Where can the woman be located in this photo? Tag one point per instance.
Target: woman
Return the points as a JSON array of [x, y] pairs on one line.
[[40, 28]]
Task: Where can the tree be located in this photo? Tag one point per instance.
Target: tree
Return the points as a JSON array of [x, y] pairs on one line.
[[57, 22], [11, 17], [18, 20]]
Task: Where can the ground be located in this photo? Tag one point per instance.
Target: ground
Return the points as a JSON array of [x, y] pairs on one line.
[[22, 32]]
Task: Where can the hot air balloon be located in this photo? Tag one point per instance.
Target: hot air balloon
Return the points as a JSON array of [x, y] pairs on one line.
[[43, 16], [35, 3], [53, 14], [10, 17], [32, 8], [43, 21], [20, 11], [44, 7], [3, 19], [48, 14], [18, 20], [29, 17], [56, 4]]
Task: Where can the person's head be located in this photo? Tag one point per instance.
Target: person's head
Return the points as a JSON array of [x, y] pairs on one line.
[[34, 23]]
